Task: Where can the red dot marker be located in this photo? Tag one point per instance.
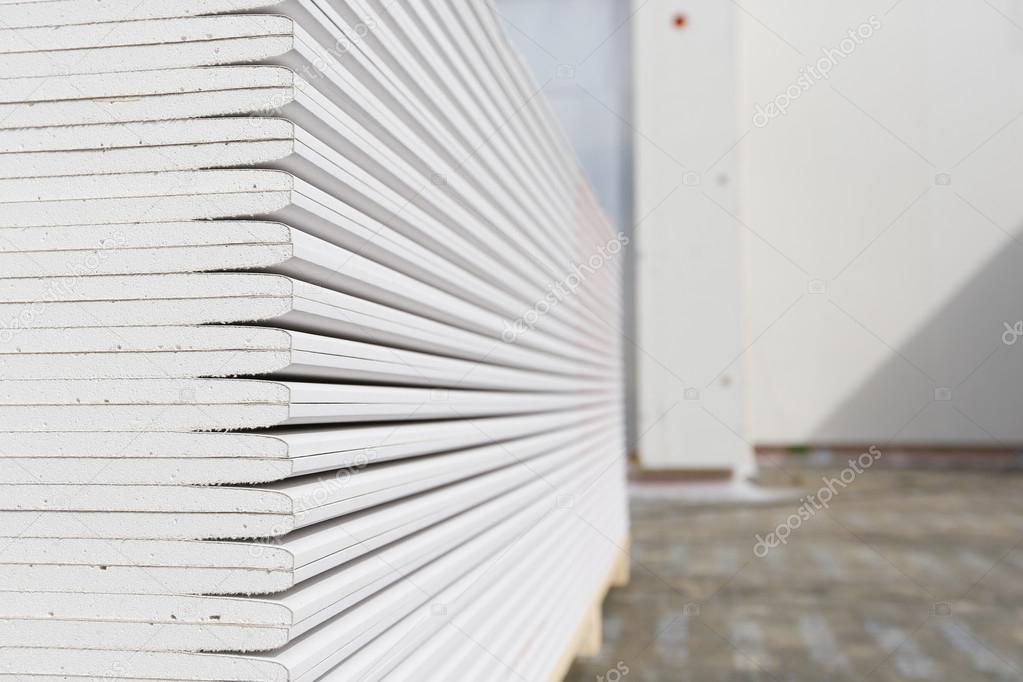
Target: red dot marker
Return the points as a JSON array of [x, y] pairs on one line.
[[680, 20]]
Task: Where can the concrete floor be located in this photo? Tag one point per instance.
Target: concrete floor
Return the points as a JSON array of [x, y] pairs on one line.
[[904, 576]]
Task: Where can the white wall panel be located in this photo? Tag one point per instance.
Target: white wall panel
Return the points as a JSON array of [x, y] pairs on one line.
[[888, 215], [688, 239]]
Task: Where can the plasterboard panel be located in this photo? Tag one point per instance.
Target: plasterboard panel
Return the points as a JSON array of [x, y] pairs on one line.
[[272, 194], [187, 299], [311, 58], [488, 207], [324, 647], [28, 13], [162, 146], [147, 512], [213, 458], [218, 404], [151, 248], [249, 624], [194, 567], [208, 351]]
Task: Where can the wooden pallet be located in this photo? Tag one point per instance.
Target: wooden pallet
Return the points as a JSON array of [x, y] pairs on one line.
[[589, 634]]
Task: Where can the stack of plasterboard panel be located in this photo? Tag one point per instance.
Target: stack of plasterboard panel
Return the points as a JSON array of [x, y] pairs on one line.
[[309, 347]]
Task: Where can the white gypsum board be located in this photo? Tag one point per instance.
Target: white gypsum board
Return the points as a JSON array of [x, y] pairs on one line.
[[406, 646], [17, 146], [538, 625], [319, 547], [276, 195], [333, 108], [177, 82], [91, 621], [33, 102], [567, 611], [111, 620], [144, 197], [151, 248], [563, 596], [167, 248], [524, 583], [518, 213], [142, 45], [232, 142], [307, 658], [219, 404], [324, 647], [147, 566], [379, 657], [311, 500], [316, 357], [524, 621], [32, 13], [221, 298], [443, 105], [144, 96], [106, 47], [207, 567], [220, 351], [348, 99], [214, 458], [144, 248], [400, 40], [147, 353], [387, 110], [305, 57], [454, 30], [508, 68], [518, 82], [337, 267], [389, 106]]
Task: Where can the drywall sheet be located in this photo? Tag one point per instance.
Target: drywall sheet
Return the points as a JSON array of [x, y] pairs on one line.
[[303, 327]]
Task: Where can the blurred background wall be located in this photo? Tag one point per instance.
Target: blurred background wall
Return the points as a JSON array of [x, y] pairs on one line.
[[887, 209], [870, 193]]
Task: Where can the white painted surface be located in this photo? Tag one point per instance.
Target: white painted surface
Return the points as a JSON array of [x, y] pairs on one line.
[[889, 186], [687, 243], [895, 183]]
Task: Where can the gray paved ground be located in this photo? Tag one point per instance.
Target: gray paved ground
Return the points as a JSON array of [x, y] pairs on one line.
[[906, 576]]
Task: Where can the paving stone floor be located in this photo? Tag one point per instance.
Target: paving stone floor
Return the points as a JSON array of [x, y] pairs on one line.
[[904, 576]]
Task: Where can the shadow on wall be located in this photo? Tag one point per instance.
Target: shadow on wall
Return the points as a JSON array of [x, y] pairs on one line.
[[957, 381]]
